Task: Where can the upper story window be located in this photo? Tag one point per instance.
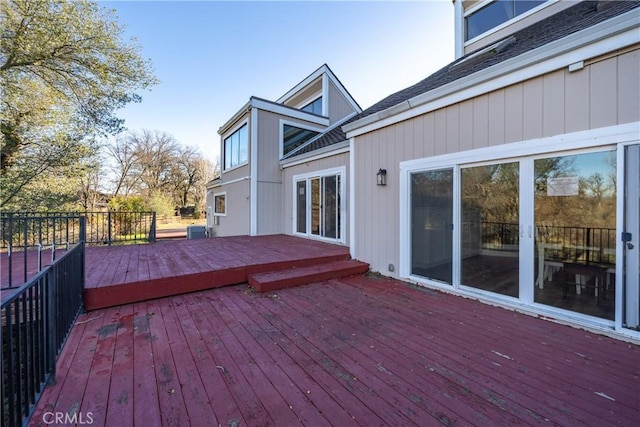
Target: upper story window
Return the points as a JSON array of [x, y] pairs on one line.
[[494, 14], [293, 137], [314, 107], [236, 148]]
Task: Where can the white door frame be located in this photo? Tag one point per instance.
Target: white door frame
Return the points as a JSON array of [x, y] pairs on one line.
[[611, 138], [338, 171]]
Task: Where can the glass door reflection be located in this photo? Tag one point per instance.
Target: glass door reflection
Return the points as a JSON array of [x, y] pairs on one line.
[[575, 240], [432, 224], [490, 224]]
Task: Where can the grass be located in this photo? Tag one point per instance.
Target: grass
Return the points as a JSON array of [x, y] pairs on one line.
[[176, 222]]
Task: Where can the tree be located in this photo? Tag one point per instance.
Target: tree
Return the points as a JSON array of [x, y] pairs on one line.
[[124, 156], [155, 154], [152, 164], [64, 72]]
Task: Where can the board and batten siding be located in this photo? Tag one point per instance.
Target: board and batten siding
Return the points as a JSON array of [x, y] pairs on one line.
[[338, 160], [339, 107], [269, 176], [236, 222], [604, 93]]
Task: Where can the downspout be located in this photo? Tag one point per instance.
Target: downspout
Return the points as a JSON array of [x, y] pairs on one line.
[[253, 191]]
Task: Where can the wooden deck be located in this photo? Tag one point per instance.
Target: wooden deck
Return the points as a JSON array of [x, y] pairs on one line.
[[125, 274], [358, 351]]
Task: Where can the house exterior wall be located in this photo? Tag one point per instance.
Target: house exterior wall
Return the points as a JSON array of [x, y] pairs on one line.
[[235, 182], [339, 160], [269, 175], [604, 93], [236, 221], [339, 107]]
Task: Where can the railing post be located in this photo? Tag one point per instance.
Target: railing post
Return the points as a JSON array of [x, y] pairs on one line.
[[152, 229], [109, 228], [83, 228], [10, 249], [51, 324], [26, 247]]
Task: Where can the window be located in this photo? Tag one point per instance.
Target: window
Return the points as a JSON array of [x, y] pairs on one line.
[[220, 204], [314, 107], [293, 137], [495, 14], [236, 148]]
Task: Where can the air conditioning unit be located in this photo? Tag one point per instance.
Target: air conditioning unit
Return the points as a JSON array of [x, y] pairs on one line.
[[196, 232]]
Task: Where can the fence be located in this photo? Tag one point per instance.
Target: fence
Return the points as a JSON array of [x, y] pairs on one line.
[[60, 228], [36, 321], [29, 235]]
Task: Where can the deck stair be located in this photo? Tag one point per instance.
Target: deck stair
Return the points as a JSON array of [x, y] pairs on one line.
[[271, 281]]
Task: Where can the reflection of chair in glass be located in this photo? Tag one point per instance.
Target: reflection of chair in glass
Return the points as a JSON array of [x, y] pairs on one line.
[[587, 278], [547, 264]]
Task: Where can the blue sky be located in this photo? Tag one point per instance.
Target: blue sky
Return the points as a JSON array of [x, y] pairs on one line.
[[211, 56]]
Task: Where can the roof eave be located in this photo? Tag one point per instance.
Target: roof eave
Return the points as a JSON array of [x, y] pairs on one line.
[[606, 29]]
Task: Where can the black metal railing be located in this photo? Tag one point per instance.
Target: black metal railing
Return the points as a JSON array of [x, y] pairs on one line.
[[59, 228], [577, 244], [587, 245], [29, 236], [36, 320]]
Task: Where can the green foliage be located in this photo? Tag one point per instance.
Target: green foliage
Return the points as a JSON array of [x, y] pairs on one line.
[[161, 204], [127, 204], [64, 72]]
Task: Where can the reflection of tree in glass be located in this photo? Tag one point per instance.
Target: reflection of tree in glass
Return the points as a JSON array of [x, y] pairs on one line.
[[492, 190], [594, 205]]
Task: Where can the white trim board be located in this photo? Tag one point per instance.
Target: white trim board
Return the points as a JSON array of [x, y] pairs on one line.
[[322, 153], [233, 181], [570, 141], [289, 111], [616, 33]]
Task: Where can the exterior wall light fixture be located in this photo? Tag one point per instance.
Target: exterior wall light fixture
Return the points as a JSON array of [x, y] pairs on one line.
[[381, 177]]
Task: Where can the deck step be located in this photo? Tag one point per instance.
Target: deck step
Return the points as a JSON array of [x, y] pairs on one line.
[[267, 282]]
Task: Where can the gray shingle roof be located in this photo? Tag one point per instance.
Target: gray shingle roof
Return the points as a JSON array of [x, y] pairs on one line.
[[576, 18]]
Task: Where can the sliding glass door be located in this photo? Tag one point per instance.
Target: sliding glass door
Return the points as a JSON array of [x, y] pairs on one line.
[[432, 224], [575, 232], [490, 222], [540, 229], [318, 206]]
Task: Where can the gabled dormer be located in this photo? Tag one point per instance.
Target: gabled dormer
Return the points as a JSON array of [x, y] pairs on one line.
[[323, 94], [480, 23]]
